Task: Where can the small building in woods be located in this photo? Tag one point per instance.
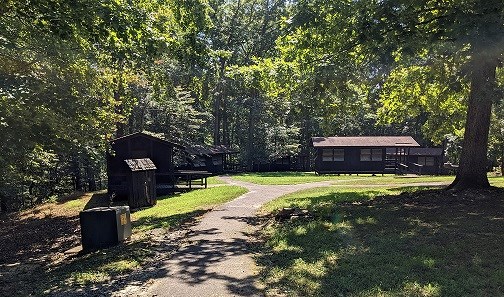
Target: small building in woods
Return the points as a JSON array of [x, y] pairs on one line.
[[141, 183], [141, 146], [214, 159], [362, 154]]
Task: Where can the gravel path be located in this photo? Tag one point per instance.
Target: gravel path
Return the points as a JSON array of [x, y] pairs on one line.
[[216, 260]]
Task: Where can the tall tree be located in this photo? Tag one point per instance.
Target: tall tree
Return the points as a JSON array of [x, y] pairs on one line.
[[381, 35]]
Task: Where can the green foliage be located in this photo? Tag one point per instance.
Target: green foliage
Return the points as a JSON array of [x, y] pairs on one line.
[[262, 76], [425, 98], [71, 72]]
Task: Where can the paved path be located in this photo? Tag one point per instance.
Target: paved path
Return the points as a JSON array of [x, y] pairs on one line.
[[216, 260]]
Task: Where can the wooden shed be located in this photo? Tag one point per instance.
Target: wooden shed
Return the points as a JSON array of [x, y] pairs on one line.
[[141, 183], [361, 154], [140, 146]]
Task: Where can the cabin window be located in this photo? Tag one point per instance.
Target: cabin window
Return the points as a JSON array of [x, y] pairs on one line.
[[426, 161], [371, 155], [330, 155], [339, 155], [327, 155]]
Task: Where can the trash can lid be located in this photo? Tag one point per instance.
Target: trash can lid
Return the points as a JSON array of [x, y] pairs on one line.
[[107, 208]]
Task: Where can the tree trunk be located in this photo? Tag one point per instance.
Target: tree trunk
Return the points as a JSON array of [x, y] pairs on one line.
[[472, 171], [250, 139], [76, 172], [90, 176], [218, 104], [3, 204], [119, 109], [502, 162]]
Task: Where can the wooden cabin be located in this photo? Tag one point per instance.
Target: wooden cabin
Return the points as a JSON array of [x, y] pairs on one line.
[[214, 159], [361, 154], [140, 146]]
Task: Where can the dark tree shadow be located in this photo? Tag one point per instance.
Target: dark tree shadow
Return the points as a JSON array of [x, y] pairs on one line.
[[201, 255], [99, 200]]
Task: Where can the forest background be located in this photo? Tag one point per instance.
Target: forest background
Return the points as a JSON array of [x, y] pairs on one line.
[[262, 76]]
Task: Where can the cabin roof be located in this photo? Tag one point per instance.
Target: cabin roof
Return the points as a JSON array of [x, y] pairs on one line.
[[209, 150], [364, 141], [145, 135], [420, 151], [140, 164]]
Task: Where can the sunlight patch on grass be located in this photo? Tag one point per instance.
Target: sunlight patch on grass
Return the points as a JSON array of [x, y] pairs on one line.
[[89, 277], [120, 266], [318, 197], [366, 220], [215, 180], [103, 273], [410, 289], [416, 289], [75, 204], [289, 178], [496, 181], [388, 180], [172, 210], [281, 178]]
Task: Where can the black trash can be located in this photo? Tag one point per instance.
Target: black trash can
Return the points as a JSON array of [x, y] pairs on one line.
[[104, 226]]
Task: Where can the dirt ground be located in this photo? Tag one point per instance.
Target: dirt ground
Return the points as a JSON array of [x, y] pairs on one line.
[[33, 239]]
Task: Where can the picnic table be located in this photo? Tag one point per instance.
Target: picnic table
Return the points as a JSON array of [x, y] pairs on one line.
[[189, 177]]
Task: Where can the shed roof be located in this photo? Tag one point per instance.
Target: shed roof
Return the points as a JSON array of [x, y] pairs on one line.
[[365, 141], [145, 135], [140, 164]]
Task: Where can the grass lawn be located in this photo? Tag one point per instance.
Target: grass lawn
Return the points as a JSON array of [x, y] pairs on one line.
[[214, 180], [170, 211], [35, 243], [377, 242], [290, 178]]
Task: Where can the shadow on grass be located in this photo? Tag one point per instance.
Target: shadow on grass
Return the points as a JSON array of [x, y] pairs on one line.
[[415, 244], [102, 272], [98, 200], [28, 239], [110, 270]]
